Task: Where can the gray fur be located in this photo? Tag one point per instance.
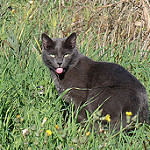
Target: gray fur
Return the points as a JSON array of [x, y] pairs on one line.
[[102, 80]]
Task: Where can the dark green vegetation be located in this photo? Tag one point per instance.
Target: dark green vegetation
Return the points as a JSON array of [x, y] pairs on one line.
[[114, 33]]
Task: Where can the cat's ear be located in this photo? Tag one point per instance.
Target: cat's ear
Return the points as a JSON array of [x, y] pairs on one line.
[[47, 41], [70, 42]]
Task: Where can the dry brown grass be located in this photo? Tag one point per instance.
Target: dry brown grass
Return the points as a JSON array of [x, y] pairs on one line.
[[109, 23]]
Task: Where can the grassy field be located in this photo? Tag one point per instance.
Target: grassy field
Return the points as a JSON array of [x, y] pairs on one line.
[[30, 112]]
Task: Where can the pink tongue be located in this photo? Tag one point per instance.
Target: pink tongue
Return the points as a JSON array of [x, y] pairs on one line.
[[59, 70]]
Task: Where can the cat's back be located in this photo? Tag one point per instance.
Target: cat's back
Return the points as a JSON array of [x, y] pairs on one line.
[[111, 74], [105, 74]]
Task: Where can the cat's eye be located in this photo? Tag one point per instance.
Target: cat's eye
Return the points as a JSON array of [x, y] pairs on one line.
[[52, 55], [66, 55]]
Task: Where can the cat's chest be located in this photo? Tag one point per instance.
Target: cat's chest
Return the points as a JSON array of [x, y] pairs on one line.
[[74, 79]]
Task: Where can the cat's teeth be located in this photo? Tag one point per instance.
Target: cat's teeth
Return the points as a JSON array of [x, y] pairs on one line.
[[59, 70]]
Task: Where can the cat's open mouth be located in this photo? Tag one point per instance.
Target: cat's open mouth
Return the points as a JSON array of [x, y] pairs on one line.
[[59, 70]]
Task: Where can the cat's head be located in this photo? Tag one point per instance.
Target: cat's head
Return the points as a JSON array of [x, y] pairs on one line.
[[59, 54]]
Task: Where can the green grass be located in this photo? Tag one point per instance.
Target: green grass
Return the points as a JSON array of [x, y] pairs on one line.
[[23, 74]]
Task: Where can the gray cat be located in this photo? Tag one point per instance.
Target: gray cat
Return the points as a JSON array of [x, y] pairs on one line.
[[94, 83]]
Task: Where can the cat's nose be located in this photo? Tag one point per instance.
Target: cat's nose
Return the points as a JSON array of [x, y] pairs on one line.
[[59, 64]]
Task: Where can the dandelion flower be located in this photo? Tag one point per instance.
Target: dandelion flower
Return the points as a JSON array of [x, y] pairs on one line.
[[128, 116], [87, 133], [13, 11], [49, 132], [108, 118], [129, 113], [44, 120], [21, 120], [18, 116], [57, 127]]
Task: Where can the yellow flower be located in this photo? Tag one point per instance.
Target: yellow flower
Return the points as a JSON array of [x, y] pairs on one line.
[[57, 127], [21, 120], [108, 118], [87, 133], [31, 2], [18, 116], [129, 113], [49, 132], [13, 11], [128, 116]]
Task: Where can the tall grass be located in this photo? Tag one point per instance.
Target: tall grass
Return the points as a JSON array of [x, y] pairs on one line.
[[107, 31]]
